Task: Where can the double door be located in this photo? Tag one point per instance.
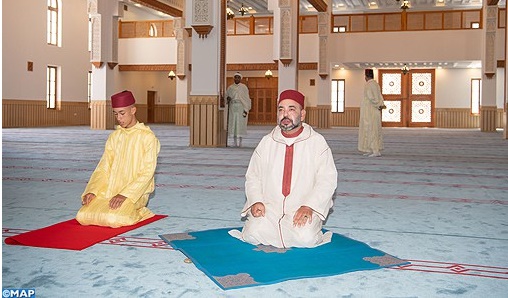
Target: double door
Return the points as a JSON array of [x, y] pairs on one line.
[[409, 98]]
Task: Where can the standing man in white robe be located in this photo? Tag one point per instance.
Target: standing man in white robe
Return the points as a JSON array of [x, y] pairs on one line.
[[290, 182], [239, 104], [370, 135]]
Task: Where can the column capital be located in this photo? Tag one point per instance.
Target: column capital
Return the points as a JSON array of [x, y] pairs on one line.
[[202, 30]]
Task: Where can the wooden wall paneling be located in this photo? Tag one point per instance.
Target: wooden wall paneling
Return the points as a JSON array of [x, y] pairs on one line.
[[33, 113]]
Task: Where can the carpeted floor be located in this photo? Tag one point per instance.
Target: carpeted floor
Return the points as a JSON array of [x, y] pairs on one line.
[[437, 197]]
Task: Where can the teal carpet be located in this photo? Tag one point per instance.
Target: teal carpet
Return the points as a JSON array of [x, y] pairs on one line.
[[231, 263]]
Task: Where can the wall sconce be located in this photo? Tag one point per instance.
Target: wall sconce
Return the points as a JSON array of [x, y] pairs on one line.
[[405, 69], [171, 75], [405, 5], [268, 74], [243, 10]]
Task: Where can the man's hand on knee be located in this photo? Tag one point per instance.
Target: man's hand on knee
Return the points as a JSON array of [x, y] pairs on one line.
[[87, 198], [302, 215], [116, 201], [258, 209]]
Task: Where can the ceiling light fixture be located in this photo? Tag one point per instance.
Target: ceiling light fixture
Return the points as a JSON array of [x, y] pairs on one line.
[[243, 10]]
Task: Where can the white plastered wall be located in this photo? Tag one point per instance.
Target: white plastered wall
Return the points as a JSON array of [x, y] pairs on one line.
[[24, 40]]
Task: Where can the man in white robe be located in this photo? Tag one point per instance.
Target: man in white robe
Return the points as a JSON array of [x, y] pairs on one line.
[[239, 105], [370, 135], [290, 182]]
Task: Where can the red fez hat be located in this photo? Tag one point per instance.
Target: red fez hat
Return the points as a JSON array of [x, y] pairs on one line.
[[369, 73], [294, 95], [122, 99]]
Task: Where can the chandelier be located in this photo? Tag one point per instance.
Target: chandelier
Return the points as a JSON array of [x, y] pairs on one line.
[[229, 13], [243, 10]]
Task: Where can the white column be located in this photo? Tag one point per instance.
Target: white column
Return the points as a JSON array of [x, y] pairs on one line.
[[324, 83], [205, 50], [206, 117], [285, 40], [104, 15], [488, 108]]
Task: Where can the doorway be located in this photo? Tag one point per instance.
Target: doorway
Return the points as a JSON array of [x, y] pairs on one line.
[[409, 98], [150, 109]]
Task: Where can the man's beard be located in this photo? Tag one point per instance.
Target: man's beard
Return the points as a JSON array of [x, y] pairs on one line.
[[291, 126]]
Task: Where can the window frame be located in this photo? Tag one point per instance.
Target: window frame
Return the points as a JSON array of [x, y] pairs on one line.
[[335, 98], [51, 84], [475, 96], [89, 95]]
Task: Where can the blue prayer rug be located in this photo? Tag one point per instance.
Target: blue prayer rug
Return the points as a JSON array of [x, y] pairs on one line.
[[232, 264]]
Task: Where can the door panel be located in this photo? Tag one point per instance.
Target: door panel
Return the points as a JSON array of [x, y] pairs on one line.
[[421, 98], [409, 98], [150, 102], [394, 92]]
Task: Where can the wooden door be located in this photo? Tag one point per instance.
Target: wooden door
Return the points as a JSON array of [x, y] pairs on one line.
[[150, 102], [409, 98]]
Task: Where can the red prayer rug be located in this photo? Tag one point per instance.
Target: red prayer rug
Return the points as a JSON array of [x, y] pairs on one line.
[[72, 235]]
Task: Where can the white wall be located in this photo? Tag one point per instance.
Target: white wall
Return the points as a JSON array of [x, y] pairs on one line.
[[442, 45], [141, 82], [453, 87], [24, 39], [309, 45], [310, 92], [249, 49], [147, 51]]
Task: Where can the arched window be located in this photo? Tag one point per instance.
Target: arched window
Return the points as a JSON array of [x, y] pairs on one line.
[[153, 30], [53, 26]]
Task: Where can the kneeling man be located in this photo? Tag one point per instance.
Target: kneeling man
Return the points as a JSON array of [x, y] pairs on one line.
[[118, 190], [290, 182]]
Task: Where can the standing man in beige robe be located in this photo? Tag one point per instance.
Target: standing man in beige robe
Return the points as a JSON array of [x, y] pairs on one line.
[[290, 182], [239, 104], [370, 135]]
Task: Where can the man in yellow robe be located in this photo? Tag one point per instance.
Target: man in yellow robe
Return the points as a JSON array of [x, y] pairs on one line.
[[118, 190]]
